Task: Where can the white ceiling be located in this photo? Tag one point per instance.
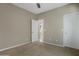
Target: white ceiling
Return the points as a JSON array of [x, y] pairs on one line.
[[32, 7]]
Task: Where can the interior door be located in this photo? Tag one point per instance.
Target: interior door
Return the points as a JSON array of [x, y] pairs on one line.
[[71, 30], [34, 30]]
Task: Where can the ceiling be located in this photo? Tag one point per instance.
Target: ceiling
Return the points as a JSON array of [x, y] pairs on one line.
[[32, 7]]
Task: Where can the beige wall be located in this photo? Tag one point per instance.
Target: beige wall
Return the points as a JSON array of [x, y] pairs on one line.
[[53, 23], [15, 25]]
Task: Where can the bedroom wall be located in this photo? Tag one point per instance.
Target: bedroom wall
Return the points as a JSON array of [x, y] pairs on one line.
[[15, 25], [53, 23]]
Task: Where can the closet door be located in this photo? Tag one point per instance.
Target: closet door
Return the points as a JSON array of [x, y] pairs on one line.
[[71, 30]]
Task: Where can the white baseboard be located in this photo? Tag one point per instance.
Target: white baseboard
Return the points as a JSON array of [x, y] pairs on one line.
[[54, 44], [14, 46]]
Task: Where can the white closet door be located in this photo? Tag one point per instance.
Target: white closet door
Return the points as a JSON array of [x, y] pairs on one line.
[[71, 30]]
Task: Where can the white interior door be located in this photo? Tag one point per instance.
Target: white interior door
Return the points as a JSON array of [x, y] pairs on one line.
[[71, 30], [34, 30]]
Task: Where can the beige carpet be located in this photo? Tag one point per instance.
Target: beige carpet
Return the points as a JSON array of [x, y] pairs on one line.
[[40, 49]]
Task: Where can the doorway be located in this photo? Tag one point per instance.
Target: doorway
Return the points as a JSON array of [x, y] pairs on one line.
[[37, 30], [41, 30]]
